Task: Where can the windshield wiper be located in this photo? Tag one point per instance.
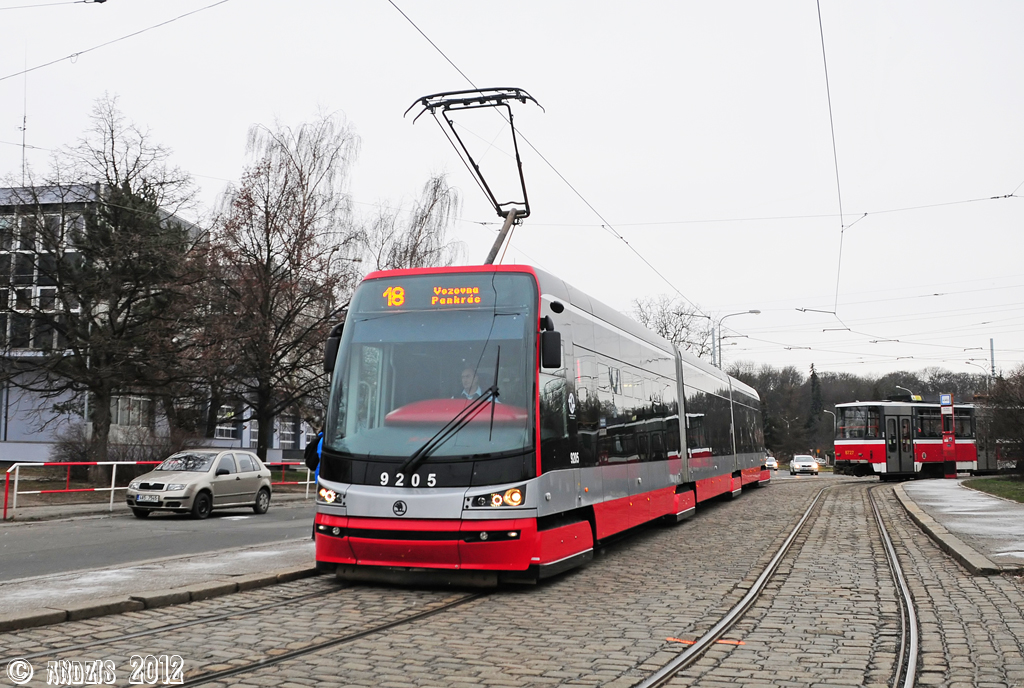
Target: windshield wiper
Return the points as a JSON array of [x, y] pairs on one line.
[[461, 420]]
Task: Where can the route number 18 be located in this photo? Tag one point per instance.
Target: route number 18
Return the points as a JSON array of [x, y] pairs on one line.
[[395, 296]]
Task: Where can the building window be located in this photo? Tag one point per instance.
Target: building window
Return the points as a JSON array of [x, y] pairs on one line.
[[288, 437], [7, 232], [131, 411], [227, 423], [254, 434]]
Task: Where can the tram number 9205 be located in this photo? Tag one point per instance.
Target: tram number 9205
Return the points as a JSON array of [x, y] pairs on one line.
[[414, 479]]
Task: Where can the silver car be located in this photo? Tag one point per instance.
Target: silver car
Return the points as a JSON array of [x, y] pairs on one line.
[[803, 463], [771, 464], [201, 480]]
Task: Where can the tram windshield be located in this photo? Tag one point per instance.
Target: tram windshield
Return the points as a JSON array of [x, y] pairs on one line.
[[416, 351]]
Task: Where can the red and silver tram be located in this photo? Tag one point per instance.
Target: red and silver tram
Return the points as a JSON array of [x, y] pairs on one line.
[[902, 438], [496, 421]]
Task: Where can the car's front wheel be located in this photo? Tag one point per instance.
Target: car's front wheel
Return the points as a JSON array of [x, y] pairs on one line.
[[141, 513], [202, 506], [262, 501]]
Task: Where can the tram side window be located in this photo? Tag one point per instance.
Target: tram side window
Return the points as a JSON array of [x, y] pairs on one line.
[[588, 405], [696, 438], [641, 444], [554, 428], [672, 440], [858, 422], [657, 447], [745, 418], [929, 423], [963, 420]]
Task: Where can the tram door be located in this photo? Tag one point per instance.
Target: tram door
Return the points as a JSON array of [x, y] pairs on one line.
[[899, 445]]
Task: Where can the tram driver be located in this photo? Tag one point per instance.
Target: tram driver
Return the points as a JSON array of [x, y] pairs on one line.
[[470, 385]]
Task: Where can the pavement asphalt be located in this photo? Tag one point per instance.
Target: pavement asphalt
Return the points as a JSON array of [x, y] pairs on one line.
[[984, 533]]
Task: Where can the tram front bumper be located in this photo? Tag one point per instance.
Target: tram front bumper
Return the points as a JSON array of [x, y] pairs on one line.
[[506, 544]]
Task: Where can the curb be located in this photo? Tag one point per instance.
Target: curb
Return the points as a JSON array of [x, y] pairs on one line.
[[151, 600], [969, 558]]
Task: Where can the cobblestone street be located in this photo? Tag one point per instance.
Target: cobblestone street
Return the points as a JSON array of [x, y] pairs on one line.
[[829, 617]]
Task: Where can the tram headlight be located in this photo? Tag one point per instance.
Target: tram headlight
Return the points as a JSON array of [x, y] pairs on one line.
[[327, 495], [512, 497]]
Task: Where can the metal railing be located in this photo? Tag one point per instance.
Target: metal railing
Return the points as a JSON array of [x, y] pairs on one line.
[[284, 466], [16, 469], [11, 496]]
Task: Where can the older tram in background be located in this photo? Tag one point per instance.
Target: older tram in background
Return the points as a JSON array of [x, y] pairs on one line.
[[495, 421], [902, 438]]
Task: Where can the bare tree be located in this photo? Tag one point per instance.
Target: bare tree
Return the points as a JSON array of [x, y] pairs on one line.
[[101, 264], [678, 322], [284, 267], [420, 240]]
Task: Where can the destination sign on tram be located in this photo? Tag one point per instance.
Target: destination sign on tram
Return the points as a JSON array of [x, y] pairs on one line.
[[444, 292]]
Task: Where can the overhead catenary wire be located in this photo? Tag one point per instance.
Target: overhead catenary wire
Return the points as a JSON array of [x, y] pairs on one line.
[[78, 54], [50, 4], [605, 224], [835, 158], [769, 218]]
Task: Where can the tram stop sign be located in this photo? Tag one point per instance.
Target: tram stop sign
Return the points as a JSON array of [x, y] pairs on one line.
[[948, 436]]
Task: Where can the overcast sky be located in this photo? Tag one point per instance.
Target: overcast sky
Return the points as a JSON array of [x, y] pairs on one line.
[[699, 131]]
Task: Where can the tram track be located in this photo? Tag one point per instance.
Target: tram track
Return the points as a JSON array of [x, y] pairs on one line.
[[214, 676], [298, 639], [244, 665], [211, 618], [905, 666]]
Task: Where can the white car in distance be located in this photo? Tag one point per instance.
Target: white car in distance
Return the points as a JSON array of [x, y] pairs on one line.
[[803, 463]]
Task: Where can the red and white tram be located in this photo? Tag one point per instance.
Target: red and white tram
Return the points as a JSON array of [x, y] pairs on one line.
[[496, 421], [902, 438]]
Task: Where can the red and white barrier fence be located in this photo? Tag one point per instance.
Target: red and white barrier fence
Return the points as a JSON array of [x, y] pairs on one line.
[[16, 470], [284, 465]]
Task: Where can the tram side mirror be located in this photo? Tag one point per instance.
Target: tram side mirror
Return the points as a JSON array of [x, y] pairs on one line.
[[331, 347], [551, 349]]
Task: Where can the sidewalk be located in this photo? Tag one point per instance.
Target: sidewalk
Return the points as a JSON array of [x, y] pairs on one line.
[[982, 532], [44, 600]]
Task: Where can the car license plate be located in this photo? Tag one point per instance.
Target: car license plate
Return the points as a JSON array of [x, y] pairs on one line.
[[147, 498]]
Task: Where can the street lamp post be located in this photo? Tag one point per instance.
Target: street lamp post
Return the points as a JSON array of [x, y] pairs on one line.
[[912, 395], [721, 320], [988, 378]]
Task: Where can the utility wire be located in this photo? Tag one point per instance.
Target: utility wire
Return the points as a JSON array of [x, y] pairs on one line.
[[835, 158], [48, 4], [73, 56], [768, 218], [607, 226]]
